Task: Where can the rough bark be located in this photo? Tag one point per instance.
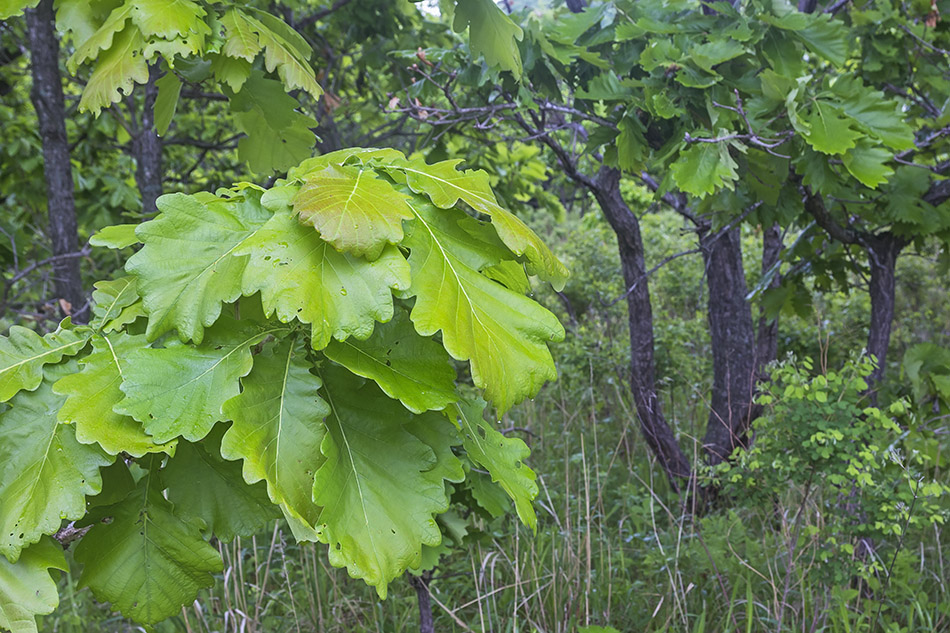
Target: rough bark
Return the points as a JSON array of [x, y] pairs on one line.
[[766, 340], [659, 436], [47, 97], [147, 148], [883, 250], [732, 336]]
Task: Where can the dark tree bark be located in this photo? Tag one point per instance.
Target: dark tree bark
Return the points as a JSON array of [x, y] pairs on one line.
[[733, 344], [421, 585], [576, 6], [766, 340], [147, 148], [657, 433], [47, 97], [882, 250]]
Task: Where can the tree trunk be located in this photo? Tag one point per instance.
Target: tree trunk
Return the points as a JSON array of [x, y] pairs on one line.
[[147, 149], [657, 433], [47, 97], [421, 585], [766, 340], [882, 251], [733, 344]]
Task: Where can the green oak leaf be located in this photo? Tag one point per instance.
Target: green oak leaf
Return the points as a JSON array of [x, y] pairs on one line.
[[166, 103], [232, 71], [26, 587], [278, 426], [364, 155], [102, 39], [503, 458], [375, 523], [703, 168], [187, 269], [169, 19], [242, 42], [45, 474], [876, 114], [201, 484], [285, 50], [147, 561], [489, 496], [353, 209], [110, 300], [278, 137], [115, 73], [23, 353], [92, 393], [828, 131], [301, 276], [491, 33], [116, 237], [179, 390], [415, 370], [868, 163], [502, 333], [445, 186]]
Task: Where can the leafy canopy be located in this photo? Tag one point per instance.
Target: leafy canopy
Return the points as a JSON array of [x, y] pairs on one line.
[[258, 359]]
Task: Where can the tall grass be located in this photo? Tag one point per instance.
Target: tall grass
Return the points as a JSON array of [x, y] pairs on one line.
[[614, 547]]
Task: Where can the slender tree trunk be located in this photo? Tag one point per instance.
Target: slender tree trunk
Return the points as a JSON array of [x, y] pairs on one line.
[[733, 344], [882, 251], [421, 585], [147, 149], [47, 97], [766, 340], [657, 433]]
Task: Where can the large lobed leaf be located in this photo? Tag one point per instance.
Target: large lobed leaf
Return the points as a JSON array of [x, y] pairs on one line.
[[92, 393], [353, 209], [24, 353], [501, 456], [374, 522], [26, 587], [445, 186], [413, 369], [45, 474], [502, 333], [147, 561], [302, 277], [180, 390], [187, 269], [277, 427]]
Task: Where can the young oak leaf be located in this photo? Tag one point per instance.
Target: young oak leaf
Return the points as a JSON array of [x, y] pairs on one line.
[[277, 427], [502, 333], [147, 561], [353, 209], [301, 276], [187, 267], [374, 523], [45, 474], [117, 70], [501, 456], [445, 186]]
